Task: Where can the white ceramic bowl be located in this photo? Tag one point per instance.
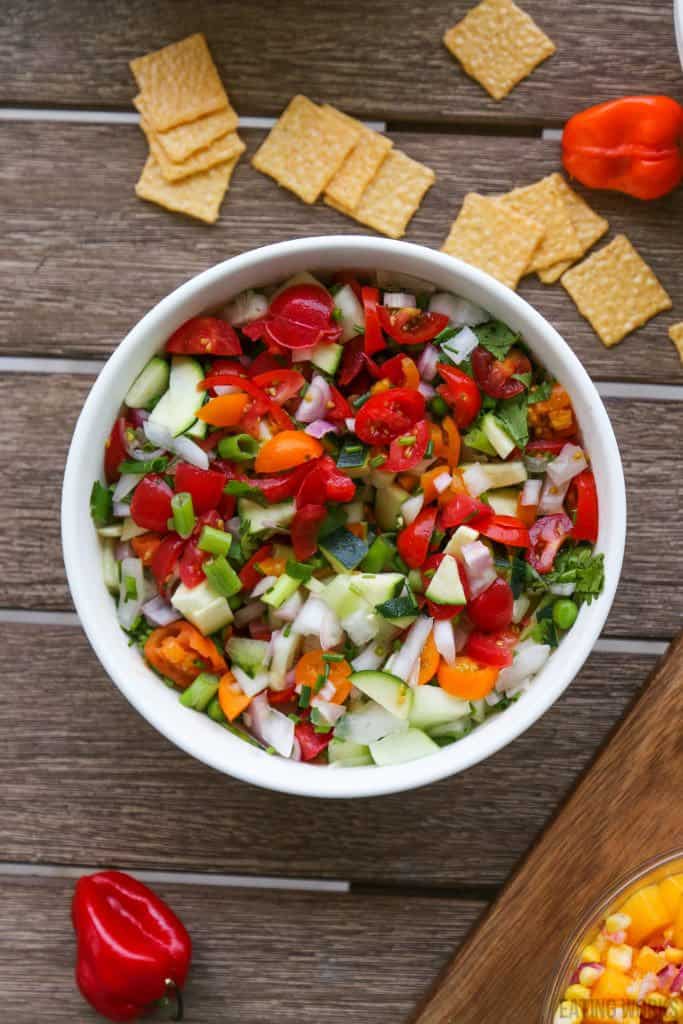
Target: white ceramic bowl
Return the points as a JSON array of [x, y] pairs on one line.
[[196, 733], [678, 22]]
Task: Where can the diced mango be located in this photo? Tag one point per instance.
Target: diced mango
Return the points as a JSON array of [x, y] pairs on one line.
[[671, 891], [612, 984], [649, 962], [678, 927], [648, 914]]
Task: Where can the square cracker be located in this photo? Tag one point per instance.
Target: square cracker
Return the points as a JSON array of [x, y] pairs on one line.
[[179, 83], [393, 196], [588, 224], [218, 152], [361, 165], [615, 290], [305, 148], [676, 335], [181, 142], [494, 237], [498, 45], [199, 196], [543, 202]]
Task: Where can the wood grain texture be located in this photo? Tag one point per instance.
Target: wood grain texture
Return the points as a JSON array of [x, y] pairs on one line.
[[295, 958], [85, 266], [87, 780], [617, 818], [383, 60], [42, 409]]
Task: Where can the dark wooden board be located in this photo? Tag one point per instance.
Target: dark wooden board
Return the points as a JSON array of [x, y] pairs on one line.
[[618, 817], [41, 410], [258, 955], [86, 780], [67, 263], [384, 60]]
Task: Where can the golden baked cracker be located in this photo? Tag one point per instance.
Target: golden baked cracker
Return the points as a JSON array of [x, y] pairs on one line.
[[615, 290], [588, 224], [218, 152], [361, 165], [676, 335], [393, 195], [498, 45], [305, 148], [494, 237], [199, 196], [179, 83], [181, 142], [543, 202]]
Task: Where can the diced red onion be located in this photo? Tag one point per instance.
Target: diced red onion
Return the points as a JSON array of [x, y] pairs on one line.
[[314, 404], [426, 390], [350, 423], [478, 562], [124, 485], [248, 613], [598, 968], [271, 727], [529, 658], [411, 508], [319, 428], [552, 497], [123, 550], [569, 463], [403, 661], [459, 311], [666, 977], [290, 677], [442, 482], [399, 300], [245, 307], [120, 508], [182, 446], [262, 586], [445, 640], [647, 986], [159, 612], [427, 362], [301, 355]]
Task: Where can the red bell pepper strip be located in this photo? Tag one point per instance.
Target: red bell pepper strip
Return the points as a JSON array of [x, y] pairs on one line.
[[304, 530], [312, 743], [503, 529], [632, 145], [150, 506], [205, 336], [546, 537], [584, 496], [132, 949], [413, 541], [284, 485], [249, 573], [374, 339], [165, 559]]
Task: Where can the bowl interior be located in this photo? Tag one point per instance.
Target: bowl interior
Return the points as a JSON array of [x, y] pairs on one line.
[[197, 734]]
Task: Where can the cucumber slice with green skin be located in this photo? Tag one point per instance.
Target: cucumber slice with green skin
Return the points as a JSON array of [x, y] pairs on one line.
[[198, 429], [110, 567], [389, 691], [405, 746], [343, 550], [285, 650], [478, 711], [347, 593], [327, 357], [250, 655], [348, 753], [452, 730], [203, 606], [281, 591], [398, 608], [497, 435], [258, 519], [446, 586], [504, 502], [388, 506], [432, 706], [353, 457], [365, 723], [177, 408], [149, 385]]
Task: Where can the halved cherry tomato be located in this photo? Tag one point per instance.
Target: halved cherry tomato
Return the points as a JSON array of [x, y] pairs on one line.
[[249, 574], [467, 679], [280, 384], [374, 340], [413, 541], [223, 410], [286, 450], [411, 326], [340, 409], [192, 558], [145, 546], [304, 530], [262, 403], [204, 485], [462, 509], [495, 376], [115, 450], [401, 371], [503, 529], [150, 506], [165, 560], [325, 483], [204, 336], [492, 648], [283, 486], [583, 498], [492, 609], [301, 317], [388, 415], [546, 537], [312, 665], [441, 611], [462, 393], [311, 743], [402, 456], [264, 362]]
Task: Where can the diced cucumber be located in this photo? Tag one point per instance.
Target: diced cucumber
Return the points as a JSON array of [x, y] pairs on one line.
[[198, 429], [479, 708], [149, 385], [377, 587], [281, 591], [258, 518], [348, 753], [389, 691], [355, 512], [497, 435], [362, 625], [493, 475], [327, 357], [110, 567], [455, 730], [446, 586], [463, 535], [504, 501], [353, 456], [352, 316], [405, 746], [388, 503], [285, 649], [203, 606], [343, 550], [249, 654], [177, 408], [399, 608], [432, 706], [365, 723]]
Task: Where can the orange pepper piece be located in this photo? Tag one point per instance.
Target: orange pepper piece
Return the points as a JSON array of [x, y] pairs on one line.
[[467, 679], [427, 482], [272, 566], [382, 385], [231, 699], [311, 666], [453, 443], [359, 529], [224, 410], [411, 374], [436, 437], [429, 661], [180, 652], [286, 450], [145, 545]]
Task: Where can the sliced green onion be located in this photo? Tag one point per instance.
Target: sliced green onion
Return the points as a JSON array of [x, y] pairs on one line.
[[149, 466], [407, 440], [361, 400], [183, 513], [438, 406], [332, 656], [202, 691], [299, 571], [320, 682], [215, 711], [378, 460], [216, 542], [337, 314], [222, 576], [100, 504], [131, 588], [238, 447], [305, 697]]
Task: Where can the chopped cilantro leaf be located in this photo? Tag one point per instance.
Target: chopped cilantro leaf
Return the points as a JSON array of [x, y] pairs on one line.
[[513, 414], [477, 439], [540, 392], [496, 337]]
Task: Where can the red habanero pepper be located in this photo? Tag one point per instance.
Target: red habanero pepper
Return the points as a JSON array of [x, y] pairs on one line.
[[413, 541], [132, 949], [632, 145]]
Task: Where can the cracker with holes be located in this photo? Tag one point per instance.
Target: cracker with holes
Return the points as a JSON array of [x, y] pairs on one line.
[[588, 224], [543, 203]]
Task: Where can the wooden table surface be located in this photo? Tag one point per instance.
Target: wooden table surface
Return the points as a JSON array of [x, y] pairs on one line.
[[301, 911]]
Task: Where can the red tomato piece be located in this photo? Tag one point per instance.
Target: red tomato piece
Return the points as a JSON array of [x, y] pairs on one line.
[[374, 339], [301, 317], [546, 537], [204, 485], [492, 609], [204, 336], [462, 393], [503, 529], [284, 485], [388, 415], [150, 507], [325, 483], [190, 564], [442, 611], [249, 574], [281, 696], [115, 450], [403, 457], [165, 559], [312, 743], [492, 648], [341, 410], [409, 326], [280, 384], [541, 447], [353, 362], [304, 530], [219, 366], [413, 541], [495, 376], [462, 509], [583, 498], [266, 361]]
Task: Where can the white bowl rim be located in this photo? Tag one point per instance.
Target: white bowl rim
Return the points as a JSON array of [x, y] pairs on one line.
[[231, 755]]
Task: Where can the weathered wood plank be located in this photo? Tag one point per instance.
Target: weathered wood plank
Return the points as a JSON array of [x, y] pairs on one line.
[[257, 955], [384, 60], [85, 267], [72, 750], [40, 411]]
